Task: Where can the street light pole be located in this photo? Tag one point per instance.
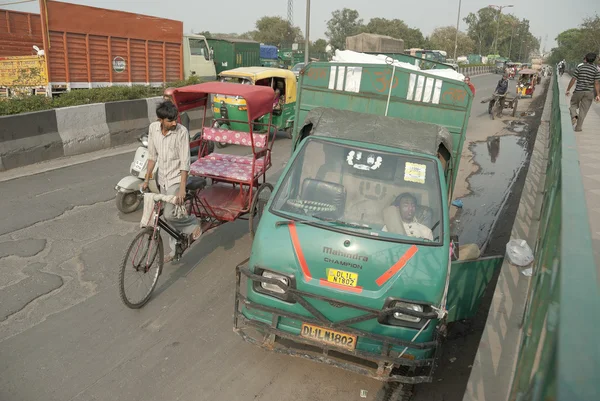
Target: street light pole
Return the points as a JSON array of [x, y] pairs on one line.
[[498, 26], [456, 38], [306, 40]]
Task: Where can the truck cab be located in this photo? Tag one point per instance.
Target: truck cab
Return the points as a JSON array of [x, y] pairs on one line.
[[353, 263], [197, 58]]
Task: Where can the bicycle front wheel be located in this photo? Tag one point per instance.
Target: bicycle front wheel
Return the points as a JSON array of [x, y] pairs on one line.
[[141, 267]]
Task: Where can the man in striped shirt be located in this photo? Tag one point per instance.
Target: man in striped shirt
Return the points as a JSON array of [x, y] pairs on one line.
[[587, 77], [169, 146]]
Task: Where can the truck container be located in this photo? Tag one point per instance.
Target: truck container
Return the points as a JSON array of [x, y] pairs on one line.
[[269, 56], [233, 53], [87, 47], [369, 42]]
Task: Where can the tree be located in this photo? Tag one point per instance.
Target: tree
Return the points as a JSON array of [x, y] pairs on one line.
[[413, 37], [343, 23], [482, 28], [574, 43], [591, 34], [275, 31], [318, 46], [443, 39], [515, 40]]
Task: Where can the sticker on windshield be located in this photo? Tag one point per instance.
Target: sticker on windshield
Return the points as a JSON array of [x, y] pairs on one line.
[[370, 162], [415, 172]]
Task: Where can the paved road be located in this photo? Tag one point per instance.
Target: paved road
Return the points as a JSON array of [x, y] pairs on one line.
[[65, 335]]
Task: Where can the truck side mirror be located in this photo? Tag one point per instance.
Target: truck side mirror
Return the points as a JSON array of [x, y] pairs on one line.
[[454, 248]]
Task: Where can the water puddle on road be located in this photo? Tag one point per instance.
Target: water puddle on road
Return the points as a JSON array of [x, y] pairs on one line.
[[500, 159]]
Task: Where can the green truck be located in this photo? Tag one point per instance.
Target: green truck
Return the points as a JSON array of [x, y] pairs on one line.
[[233, 53], [353, 263]]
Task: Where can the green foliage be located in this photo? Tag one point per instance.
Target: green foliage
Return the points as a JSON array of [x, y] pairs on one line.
[[443, 39], [343, 23], [25, 104], [515, 41], [575, 43], [275, 30]]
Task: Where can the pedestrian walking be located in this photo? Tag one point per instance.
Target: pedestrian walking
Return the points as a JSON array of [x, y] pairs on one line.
[[587, 78]]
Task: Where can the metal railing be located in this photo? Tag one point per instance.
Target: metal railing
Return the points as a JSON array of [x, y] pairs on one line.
[[559, 355]]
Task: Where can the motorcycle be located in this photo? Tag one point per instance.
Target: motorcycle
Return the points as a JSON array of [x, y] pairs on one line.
[[128, 196]]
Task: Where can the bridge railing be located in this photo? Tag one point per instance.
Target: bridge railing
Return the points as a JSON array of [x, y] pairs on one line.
[[559, 355]]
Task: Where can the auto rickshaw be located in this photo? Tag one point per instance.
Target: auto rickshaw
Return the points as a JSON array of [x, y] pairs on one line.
[[227, 108], [526, 83]]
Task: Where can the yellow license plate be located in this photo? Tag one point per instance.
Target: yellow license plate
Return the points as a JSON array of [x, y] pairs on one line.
[[341, 277], [329, 337]]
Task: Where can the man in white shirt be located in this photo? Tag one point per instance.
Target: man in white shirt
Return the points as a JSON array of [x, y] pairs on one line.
[[169, 146], [401, 218]]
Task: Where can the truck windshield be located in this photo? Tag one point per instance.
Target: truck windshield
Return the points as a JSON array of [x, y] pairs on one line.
[[354, 188]]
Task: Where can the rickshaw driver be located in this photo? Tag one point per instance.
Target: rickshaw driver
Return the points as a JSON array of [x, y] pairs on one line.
[[169, 146], [402, 217]]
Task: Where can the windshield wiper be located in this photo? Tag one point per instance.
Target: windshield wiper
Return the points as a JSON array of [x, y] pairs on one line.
[[341, 222]]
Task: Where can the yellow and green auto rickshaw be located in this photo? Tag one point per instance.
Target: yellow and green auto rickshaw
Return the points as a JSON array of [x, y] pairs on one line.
[[283, 82], [526, 83]]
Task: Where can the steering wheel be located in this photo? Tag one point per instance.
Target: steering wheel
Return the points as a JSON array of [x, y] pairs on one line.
[[311, 206]]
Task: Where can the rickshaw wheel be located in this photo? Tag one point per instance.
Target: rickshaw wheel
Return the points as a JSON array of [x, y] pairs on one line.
[[514, 105], [395, 392], [220, 145], [261, 197]]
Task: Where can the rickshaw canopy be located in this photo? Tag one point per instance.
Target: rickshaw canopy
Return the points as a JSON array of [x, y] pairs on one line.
[[259, 99], [395, 132], [255, 74], [527, 71]]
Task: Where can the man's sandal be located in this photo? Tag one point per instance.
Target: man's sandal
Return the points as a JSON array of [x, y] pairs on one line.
[[196, 234]]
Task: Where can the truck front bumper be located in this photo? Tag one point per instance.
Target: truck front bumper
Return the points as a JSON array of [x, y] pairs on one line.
[[386, 365]]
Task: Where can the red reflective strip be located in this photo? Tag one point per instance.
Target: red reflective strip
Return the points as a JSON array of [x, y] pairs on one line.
[[337, 286], [397, 266], [298, 250]]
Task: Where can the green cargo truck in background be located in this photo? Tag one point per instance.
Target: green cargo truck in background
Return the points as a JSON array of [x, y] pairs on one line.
[[233, 53]]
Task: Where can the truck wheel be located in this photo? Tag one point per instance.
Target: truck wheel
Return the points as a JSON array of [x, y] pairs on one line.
[[127, 202], [395, 392]]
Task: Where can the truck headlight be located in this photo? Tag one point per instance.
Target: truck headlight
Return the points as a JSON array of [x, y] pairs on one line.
[[406, 305], [273, 289]]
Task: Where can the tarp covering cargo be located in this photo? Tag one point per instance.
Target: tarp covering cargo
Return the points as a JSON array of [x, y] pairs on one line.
[[410, 135], [268, 52], [369, 42]]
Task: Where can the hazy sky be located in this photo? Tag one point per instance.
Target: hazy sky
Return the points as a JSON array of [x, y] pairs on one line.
[[548, 17]]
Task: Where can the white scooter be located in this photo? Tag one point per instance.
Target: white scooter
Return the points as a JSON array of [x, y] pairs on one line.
[[129, 196], [128, 189]]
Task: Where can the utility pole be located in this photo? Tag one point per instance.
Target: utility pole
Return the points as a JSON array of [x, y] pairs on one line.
[[498, 27], [456, 38], [512, 33], [307, 40]]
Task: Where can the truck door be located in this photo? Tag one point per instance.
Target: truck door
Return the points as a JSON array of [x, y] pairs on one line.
[[201, 64], [468, 282]]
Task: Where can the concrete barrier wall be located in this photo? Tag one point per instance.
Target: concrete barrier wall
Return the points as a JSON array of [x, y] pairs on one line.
[[127, 120], [478, 70], [29, 138], [83, 128], [44, 135]]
